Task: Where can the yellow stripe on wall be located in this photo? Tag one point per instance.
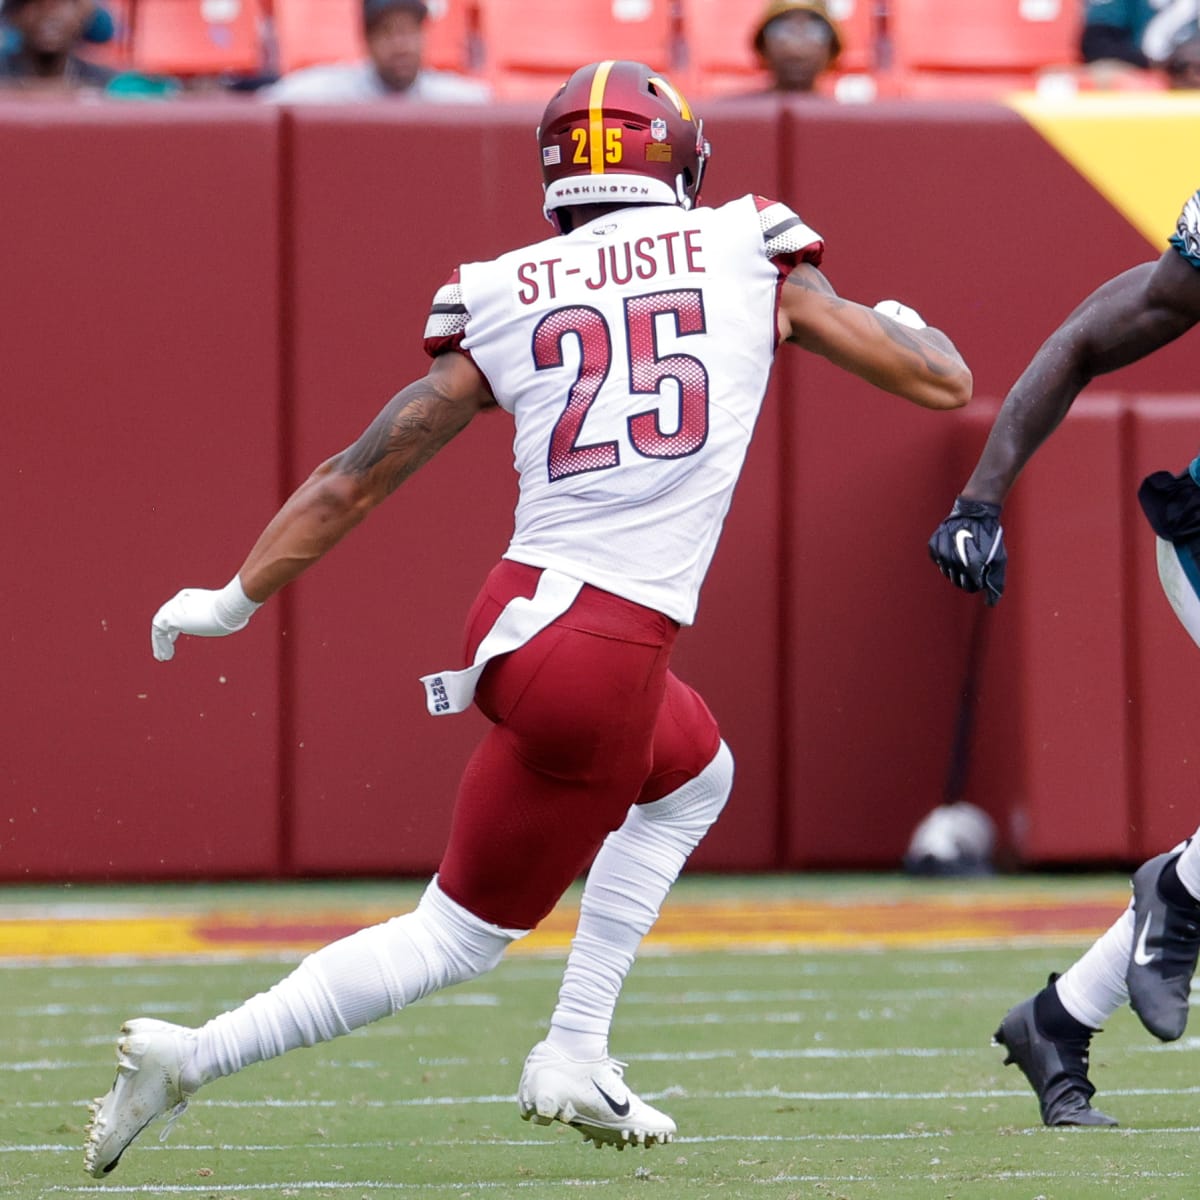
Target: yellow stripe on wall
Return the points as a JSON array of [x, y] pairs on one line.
[[596, 116], [1140, 152]]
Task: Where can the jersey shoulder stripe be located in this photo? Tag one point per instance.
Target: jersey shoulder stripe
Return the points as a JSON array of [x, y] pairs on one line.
[[787, 240], [1186, 238], [448, 316]]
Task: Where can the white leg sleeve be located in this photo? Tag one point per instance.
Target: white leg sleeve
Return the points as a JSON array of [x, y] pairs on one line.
[[1094, 987], [625, 887], [1187, 866], [349, 983]]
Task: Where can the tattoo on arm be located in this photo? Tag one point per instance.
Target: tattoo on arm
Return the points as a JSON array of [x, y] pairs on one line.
[[408, 431], [810, 279], [916, 341]]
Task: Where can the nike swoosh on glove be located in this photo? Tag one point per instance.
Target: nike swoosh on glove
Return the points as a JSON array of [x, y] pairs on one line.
[[968, 548]]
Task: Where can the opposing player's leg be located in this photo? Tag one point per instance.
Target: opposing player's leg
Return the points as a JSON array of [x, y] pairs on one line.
[[347, 984], [1166, 889], [1166, 943], [1048, 1036]]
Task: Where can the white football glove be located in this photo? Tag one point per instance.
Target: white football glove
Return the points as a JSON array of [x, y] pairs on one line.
[[202, 613], [901, 313]]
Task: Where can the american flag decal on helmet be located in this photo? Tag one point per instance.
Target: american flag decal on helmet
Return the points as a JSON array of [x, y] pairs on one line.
[[551, 156]]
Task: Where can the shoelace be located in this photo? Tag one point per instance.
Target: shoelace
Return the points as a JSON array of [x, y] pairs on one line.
[[172, 1117]]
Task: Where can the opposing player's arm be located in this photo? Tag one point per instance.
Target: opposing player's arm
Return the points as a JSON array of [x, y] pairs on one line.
[[920, 365], [408, 431], [1122, 321]]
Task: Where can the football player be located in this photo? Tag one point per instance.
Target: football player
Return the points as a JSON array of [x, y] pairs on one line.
[[1149, 955], [632, 351]]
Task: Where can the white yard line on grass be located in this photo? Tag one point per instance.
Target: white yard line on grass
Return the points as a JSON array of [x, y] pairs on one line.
[[674, 1093]]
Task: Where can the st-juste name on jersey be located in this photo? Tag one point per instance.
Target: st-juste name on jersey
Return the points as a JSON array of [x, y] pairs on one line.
[[1186, 238], [633, 354]]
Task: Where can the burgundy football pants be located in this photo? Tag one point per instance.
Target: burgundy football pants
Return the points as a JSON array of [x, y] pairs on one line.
[[587, 721]]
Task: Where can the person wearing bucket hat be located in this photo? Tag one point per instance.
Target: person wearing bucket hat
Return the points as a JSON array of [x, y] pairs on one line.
[[1149, 955], [394, 31], [797, 41]]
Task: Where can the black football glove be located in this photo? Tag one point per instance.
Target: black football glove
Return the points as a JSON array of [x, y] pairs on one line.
[[968, 547]]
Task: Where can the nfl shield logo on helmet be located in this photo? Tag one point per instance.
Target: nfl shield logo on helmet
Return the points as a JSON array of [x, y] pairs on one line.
[[658, 129]]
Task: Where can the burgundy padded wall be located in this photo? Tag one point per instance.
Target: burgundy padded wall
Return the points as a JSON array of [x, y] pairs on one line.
[[955, 210], [1052, 735], [141, 396], [383, 206], [204, 301]]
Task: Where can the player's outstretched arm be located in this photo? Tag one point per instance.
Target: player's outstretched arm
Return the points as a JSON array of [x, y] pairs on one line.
[[1123, 320], [888, 346], [408, 431]]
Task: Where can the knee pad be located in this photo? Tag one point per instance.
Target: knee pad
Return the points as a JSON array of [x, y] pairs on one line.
[[692, 809]]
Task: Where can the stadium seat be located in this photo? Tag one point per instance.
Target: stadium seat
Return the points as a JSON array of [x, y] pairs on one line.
[[532, 45], [317, 31], [716, 40], [449, 34], [984, 35], [197, 37]]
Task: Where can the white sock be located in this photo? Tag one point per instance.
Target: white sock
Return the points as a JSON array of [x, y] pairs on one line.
[[625, 887], [1094, 987], [1187, 866], [351, 982]]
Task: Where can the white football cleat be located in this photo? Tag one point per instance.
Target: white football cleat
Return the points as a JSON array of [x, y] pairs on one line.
[[591, 1097], [151, 1056]]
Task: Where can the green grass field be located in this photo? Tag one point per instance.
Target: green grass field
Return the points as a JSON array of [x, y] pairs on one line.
[[840, 1073]]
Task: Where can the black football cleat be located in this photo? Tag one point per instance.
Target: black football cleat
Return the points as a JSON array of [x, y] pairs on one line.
[[1057, 1068], [1165, 948]]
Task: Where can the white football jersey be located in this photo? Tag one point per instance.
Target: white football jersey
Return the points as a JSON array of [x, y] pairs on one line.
[[633, 354]]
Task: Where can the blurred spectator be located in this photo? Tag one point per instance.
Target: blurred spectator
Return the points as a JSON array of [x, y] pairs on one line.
[[395, 35], [42, 45], [1139, 32], [1182, 64], [797, 40]]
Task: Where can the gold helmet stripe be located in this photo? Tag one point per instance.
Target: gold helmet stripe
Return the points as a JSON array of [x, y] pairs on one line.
[[596, 115], [676, 96]]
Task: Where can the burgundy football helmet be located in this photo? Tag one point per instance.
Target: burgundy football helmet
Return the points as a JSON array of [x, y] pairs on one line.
[[619, 133]]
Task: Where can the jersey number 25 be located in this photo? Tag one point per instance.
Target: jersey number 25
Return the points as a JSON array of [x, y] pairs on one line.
[[647, 370]]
